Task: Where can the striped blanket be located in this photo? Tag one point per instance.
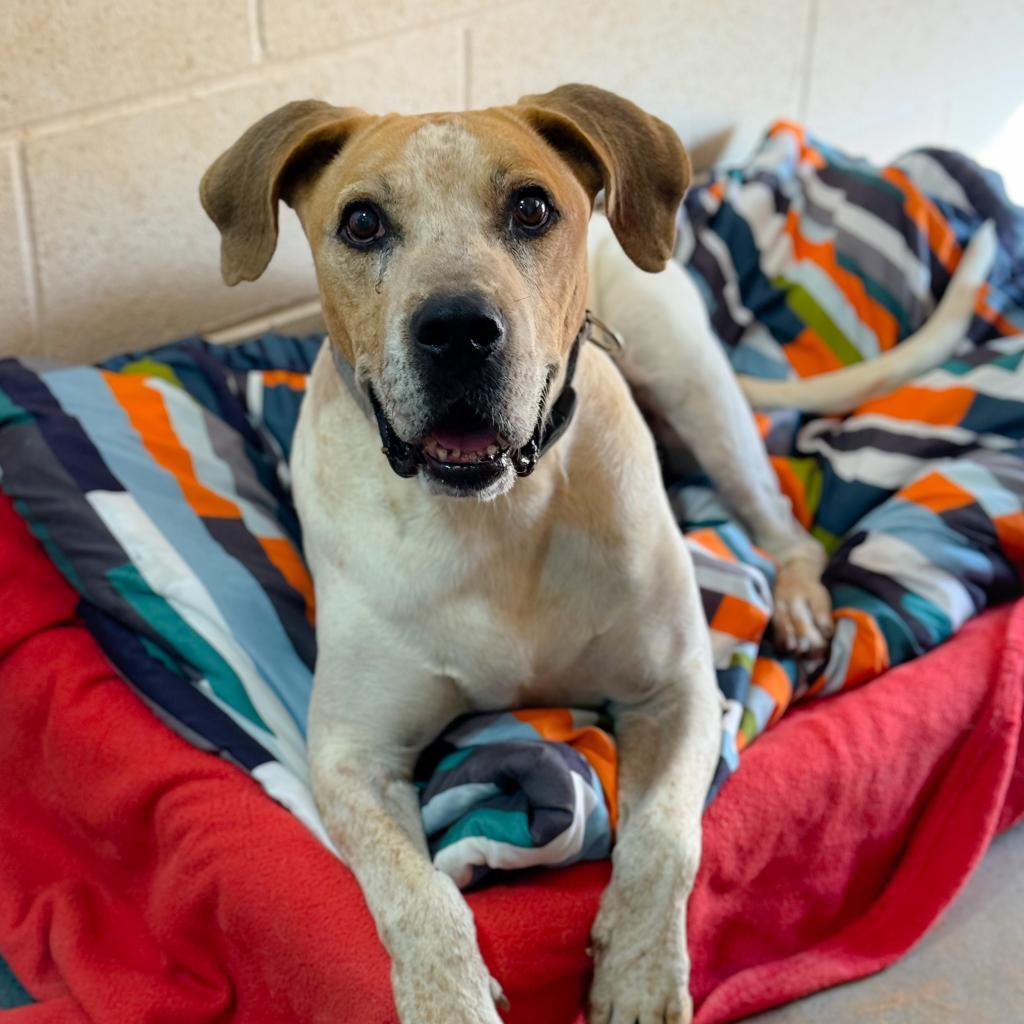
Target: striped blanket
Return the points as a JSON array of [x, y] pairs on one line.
[[159, 485], [810, 260]]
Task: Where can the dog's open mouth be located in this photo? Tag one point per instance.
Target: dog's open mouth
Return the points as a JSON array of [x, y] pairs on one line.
[[463, 437], [463, 450]]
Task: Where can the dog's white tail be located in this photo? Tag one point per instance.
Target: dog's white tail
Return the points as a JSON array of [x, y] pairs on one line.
[[845, 389]]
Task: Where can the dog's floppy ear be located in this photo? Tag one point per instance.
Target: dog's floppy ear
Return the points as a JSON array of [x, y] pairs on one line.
[[241, 188], [637, 159]]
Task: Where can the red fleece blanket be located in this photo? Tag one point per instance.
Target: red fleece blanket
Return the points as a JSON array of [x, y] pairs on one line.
[[142, 880]]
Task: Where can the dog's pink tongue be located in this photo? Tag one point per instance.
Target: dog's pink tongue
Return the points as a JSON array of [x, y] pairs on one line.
[[467, 441]]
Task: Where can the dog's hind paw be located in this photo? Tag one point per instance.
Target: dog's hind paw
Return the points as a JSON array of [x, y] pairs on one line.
[[803, 611]]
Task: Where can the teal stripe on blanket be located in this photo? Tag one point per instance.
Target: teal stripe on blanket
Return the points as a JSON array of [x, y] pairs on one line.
[[501, 824], [12, 992], [178, 636], [246, 610]]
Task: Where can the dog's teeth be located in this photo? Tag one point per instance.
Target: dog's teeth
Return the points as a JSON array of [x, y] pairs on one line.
[[438, 451]]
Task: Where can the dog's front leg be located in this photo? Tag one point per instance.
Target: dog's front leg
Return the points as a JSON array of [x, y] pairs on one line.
[[668, 747], [371, 811]]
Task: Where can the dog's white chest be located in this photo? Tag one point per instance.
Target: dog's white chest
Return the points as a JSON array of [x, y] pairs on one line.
[[457, 605]]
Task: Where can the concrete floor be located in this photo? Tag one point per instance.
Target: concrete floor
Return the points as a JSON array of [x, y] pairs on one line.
[[968, 968]]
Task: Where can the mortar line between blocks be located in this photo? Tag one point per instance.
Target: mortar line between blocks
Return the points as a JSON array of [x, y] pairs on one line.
[[277, 319], [810, 40], [268, 67], [26, 239], [257, 33], [465, 55]]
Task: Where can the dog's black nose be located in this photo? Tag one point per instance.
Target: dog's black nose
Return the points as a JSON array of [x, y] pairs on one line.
[[457, 332]]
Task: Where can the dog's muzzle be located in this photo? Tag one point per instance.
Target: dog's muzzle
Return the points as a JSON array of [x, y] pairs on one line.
[[465, 452]]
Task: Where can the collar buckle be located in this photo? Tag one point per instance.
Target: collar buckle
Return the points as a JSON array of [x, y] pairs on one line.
[[606, 338]]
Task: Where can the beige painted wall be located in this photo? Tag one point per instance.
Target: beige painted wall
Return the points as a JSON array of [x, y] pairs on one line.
[[111, 109]]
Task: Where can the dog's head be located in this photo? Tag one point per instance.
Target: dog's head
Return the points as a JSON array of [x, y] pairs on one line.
[[450, 252]]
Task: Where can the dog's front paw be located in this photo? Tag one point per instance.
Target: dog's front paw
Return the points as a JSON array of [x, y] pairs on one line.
[[641, 968], [803, 611]]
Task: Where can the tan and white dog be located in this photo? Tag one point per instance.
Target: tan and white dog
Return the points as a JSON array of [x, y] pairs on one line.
[[507, 549]]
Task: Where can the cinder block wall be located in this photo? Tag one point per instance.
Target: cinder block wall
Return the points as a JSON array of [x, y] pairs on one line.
[[110, 110]]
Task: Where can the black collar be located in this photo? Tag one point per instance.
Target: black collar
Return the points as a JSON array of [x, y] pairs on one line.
[[549, 428]]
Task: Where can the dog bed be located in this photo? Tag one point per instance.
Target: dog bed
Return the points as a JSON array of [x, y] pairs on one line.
[[153, 473]]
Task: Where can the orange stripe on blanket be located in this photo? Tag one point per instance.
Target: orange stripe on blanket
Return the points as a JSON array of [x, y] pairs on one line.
[[809, 354], [922, 405], [145, 409], [291, 378], [599, 749], [808, 154], [550, 723], [923, 212], [990, 315], [786, 127], [937, 493], [793, 488], [881, 322], [709, 540], [556, 726], [739, 618], [1010, 531], [772, 678], [716, 189], [286, 560], [869, 656], [763, 422]]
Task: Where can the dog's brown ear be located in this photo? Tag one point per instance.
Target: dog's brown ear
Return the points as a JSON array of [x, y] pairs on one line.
[[241, 188], [637, 159]]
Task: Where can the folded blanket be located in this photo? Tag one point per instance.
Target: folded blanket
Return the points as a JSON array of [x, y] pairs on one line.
[[518, 789], [159, 486]]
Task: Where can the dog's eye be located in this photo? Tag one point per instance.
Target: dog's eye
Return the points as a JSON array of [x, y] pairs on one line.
[[362, 224], [531, 211]]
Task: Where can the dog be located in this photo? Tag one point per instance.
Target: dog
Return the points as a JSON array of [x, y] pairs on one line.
[[513, 545]]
